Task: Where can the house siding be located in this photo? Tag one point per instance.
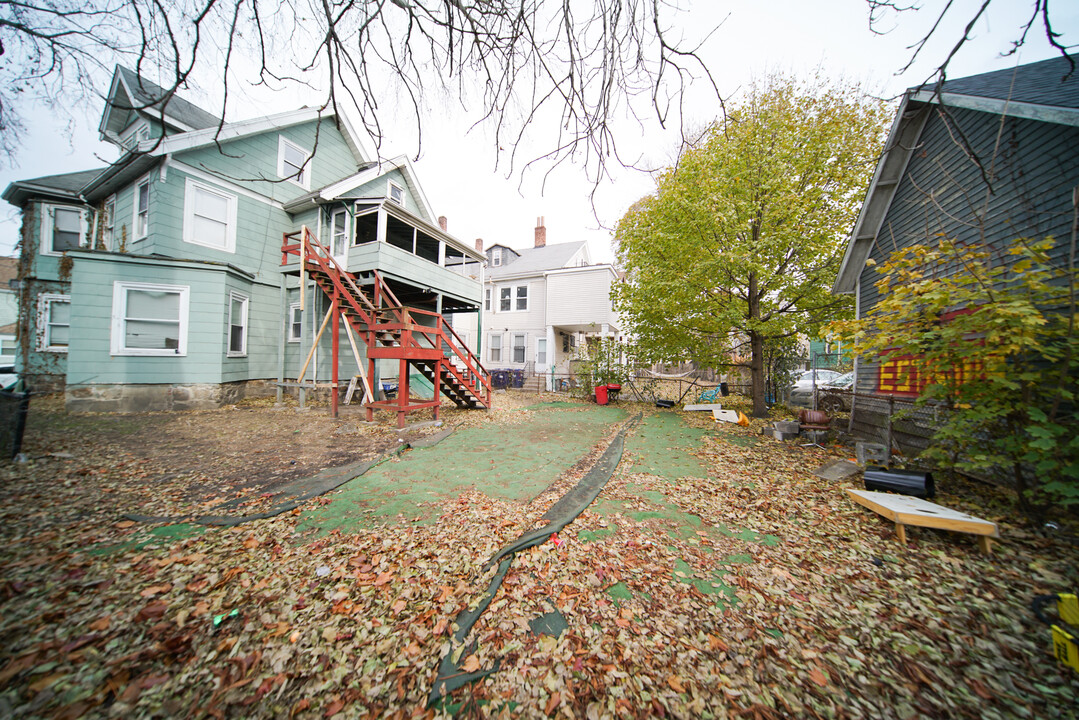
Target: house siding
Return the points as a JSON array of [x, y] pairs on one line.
[[91, 361], [259, 228], [246, 160], [575, 298], [1035, 169]]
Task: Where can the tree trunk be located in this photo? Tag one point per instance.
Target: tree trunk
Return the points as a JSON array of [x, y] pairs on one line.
[[756, 349], [756, 374]]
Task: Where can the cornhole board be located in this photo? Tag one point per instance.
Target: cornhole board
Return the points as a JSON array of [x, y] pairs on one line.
[[730, 416], [905, 510], [707, 407]]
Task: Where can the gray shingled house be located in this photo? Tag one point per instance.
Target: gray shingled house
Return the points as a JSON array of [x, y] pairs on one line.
[[982, 159]]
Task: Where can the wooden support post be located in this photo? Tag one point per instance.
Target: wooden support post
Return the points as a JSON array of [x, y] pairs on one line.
[[369, 395], [314, 345], [335, 334], [402, 393], [371, 373], [985, 544], [901, 532], [437, 385]]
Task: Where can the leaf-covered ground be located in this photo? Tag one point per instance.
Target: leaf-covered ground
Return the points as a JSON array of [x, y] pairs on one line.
[[715, 576]]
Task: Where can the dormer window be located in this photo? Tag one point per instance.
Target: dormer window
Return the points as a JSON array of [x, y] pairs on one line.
[[496, 257], [292, 163], [395, 193]]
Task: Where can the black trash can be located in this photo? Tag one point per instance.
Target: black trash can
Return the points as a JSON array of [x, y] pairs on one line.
[[904, 482], [13, 409], [518, 378], [724, 390]]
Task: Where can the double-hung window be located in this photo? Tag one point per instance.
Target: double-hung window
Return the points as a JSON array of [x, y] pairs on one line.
[[487, 299], [149, 319], [237, 325], [494, 348], [496, 257], [541, 351], [505, 300], [295, 322], [209, 217], [53, 322], [293, 163], [141, 221], [61, 229], [518, 347], [522, 297]]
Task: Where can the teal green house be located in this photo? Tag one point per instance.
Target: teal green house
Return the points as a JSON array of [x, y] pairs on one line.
[[160, 282]]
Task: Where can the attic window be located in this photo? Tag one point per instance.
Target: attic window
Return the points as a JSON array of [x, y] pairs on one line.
[[293, 163], [496, 257], [395, 193]]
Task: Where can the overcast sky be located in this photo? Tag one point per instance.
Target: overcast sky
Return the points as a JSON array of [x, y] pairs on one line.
[[457, 167]]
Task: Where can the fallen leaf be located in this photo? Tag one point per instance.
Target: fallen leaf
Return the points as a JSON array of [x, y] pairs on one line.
[[818, 677], [472, 664], [676, 683]]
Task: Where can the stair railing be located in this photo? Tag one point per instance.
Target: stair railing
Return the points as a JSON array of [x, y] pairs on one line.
[[474, 376]]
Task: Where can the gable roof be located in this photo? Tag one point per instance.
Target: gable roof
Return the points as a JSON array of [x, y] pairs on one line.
[[1040, 83], [340, 188], [537, 260], [1041, 91], [65, 186], [130, 92]]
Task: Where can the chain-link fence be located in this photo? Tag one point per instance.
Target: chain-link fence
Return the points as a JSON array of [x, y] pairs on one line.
[[13, 409]]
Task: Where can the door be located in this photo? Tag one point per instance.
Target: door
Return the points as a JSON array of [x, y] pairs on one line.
[[339, 237]]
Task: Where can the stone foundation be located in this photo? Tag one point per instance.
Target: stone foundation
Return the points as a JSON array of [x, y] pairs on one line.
[[157, 398]]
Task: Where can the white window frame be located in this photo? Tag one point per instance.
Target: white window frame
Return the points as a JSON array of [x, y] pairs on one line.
[[304, 179], [523, 347], [8, 359], [542, 341], [45, 302], [333, 233], [517, 298], [496, 257], [244, 305], [507, 291], [144, 180], [491, 347], [487, 300], [190, 188], [119, 317], [390, 187], [48, 225], [292, 335], [108, 223]]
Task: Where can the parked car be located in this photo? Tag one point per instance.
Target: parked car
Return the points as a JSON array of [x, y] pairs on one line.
[[8, 377], [835, 396], [801, 393]]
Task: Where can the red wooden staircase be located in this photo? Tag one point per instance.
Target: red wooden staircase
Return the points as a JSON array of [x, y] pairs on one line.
[[415, 338]]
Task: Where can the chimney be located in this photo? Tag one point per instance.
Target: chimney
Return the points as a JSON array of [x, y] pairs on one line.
[[541, 232], [442, 223], [479, 244]]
